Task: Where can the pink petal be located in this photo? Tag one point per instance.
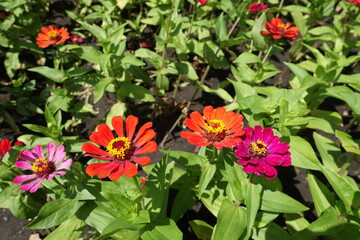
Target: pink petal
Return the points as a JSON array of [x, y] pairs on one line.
[[50, 150], [66, 164], [23, 178], [59, 154], [32, 186], [37, 152], [28, 156], [23, 165]]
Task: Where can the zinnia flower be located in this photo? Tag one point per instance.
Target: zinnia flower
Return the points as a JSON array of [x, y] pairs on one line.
[[51, 36], [279, 29], [260, 151], [357, 2], [145, 44], [4, 14], [41, 166], [120, 152], [256, 7], [75, 39], [202, 2], [216, 127]]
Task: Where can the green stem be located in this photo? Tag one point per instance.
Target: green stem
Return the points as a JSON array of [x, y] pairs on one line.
[[280, 6], [347, 164], [267, 53]]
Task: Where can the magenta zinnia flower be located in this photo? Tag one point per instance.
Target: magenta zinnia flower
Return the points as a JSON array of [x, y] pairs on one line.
[[202, 2], [41, 166], [75, 39], [256, 7], [260, 151], [357, 2]]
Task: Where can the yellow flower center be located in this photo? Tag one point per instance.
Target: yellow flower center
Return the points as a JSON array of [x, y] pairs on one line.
[[258, 148], [282, 25], [42, 167], [52, 34], [120, 148], [215, 126]]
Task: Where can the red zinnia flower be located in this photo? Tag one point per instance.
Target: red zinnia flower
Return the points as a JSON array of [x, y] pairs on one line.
[[145, 44], [120, 151], [51, 36], [357, 2], [202, 2], [5, 146], [256, 7], [216, 127], [279, 29], [260, 151]]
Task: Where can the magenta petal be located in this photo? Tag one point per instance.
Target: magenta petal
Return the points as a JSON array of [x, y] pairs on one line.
[[280, 148], [37, 152], [274, 159], [50, 151], [30, 185], [23, 165], [28, 156], [249, 168], [270, 173], [59, 155], [23, 178], [66, 164], [36, 186]]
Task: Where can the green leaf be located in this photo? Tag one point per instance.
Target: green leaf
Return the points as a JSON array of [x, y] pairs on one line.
[[88, 53], [302, 154], [219, 92], [329, 152], [212, 199], [271, 231], [25, 206], [12, 63], [100, 88], [347, 95], [201, 229], [136, 92], [49, 73], [341, 185], [231, 221], [275, 201], [321, 196], [68, 230], [220, 28], [206, 176], [252, 201], [295, 222], [257, 36], [191, 161], [54, 213], [187, 69], [321, 124], [166, 230], [347, 142]]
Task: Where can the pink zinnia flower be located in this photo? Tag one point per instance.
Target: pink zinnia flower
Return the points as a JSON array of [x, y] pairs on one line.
[[75, 39], [256, 7], [202, 2], [260, 151], [5, 146], [41, 166], [357, 2]]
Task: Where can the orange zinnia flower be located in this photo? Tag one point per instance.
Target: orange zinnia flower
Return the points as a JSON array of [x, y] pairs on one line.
[[216, 127], [51, 36], [120, 151], [279, 29]]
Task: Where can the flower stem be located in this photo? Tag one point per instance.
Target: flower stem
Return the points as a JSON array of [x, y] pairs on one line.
[[280, 6], [267, 53]]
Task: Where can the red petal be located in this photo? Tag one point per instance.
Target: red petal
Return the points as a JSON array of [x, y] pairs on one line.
[[117, 123], [193, 125], [92, 169], [105, 170], [130, 169], [142, 130], [118, 173], [147, 148], [208, 113], [198, 119], [141, 160], [219, 113], [91, 148], [131, 123], [105, 131], [99, 139], [5, 146], [147, 136]]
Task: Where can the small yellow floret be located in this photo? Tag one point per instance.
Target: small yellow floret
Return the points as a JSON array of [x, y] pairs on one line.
[[258, 147], [52, 34], [215, 126], [118, 152], [40, 165]]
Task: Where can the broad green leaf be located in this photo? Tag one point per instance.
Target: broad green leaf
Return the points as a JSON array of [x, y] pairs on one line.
[[247, 58], [347, 95], [100, 88], [201, 229], [320, 194], [302, 154], [299, 72], [12, 63], [264, 218], [163, 231], [321, 124], [231, 221], [347, 142], [252, 201], [242, 89], [49, 73], [295, 222], [212, 199], [206, 176], [88, 53], [186, 68], [54, 213], [68, 230], [275, 201], [191, 161], [25, 206], [257, 36], [271, 231], [136, 92], [220, 27], [329, 152], [97, 217], [343, 188]]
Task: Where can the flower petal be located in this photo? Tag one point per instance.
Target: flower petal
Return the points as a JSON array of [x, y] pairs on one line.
[[147, 136], [141, 160], [50, 148], [143, 130], [65, 164], [117, 123], [23, 178], [147, 148], [130, 169], [23, 165], [91, 148], [131, 122]]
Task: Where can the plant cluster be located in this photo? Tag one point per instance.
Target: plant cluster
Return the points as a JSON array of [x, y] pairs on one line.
[[288, 64]]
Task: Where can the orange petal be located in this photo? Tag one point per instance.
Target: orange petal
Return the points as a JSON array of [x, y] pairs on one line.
[[193, 126], [118, 173], [147, 148], [91, 148], [99, 139], [219, 113], [147, 136], [131, 122], [130, 169], [141, 131], [117, 123], [105, 131], [141, 160], [198, 119], [208, 113]]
